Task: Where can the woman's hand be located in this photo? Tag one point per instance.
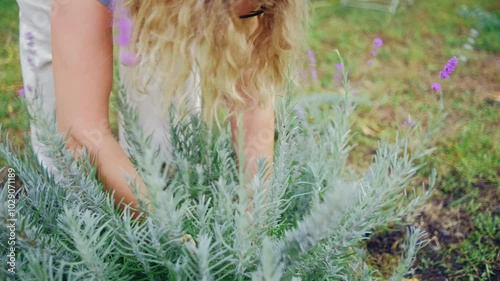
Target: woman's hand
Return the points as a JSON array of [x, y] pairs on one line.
[[257, 128], [256, 124], [253, 123]]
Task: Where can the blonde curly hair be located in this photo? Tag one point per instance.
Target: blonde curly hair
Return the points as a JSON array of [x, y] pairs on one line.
[[177, 37]]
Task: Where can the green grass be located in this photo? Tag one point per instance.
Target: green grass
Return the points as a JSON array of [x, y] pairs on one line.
[[480, 250], [12, 118], [418, 41]]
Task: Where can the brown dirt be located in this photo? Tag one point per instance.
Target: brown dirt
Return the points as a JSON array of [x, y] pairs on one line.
[[447, 225]]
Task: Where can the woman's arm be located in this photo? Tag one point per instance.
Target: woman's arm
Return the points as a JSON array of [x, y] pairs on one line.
[[256, 122], [257, 126], [82, 49]]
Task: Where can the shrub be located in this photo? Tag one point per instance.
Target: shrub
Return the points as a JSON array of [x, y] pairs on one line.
[[309, 225]]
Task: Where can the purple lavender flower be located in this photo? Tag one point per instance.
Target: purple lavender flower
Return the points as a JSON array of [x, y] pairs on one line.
[[338, 74], [124, 23], [31, 63], [29, 36], [128, 58], [453, 62], [299, 111], [444, 74], [312, 64], [449, 68], [21, 92], [124, 26], [31, 50], [409, 122], [436, 87], [314, 74], [312, 58], [378, 43]]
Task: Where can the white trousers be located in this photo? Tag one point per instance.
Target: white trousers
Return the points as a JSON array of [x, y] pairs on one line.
[[37, 71]]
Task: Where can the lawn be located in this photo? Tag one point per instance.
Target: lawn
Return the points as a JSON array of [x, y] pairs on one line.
[[463, 217]]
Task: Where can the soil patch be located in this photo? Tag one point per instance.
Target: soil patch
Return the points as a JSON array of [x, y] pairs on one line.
[[448, 224]]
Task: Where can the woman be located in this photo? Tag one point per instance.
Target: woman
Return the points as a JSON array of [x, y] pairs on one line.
[[241, 48]]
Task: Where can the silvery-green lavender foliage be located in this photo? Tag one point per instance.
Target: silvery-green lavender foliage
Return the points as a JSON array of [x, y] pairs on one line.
[[307, 222]]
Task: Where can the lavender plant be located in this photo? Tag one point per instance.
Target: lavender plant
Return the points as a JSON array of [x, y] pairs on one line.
[[377, 44], [306, 223], [444, 74]]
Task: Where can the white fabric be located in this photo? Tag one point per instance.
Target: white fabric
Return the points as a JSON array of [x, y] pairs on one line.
[[152, 114]]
